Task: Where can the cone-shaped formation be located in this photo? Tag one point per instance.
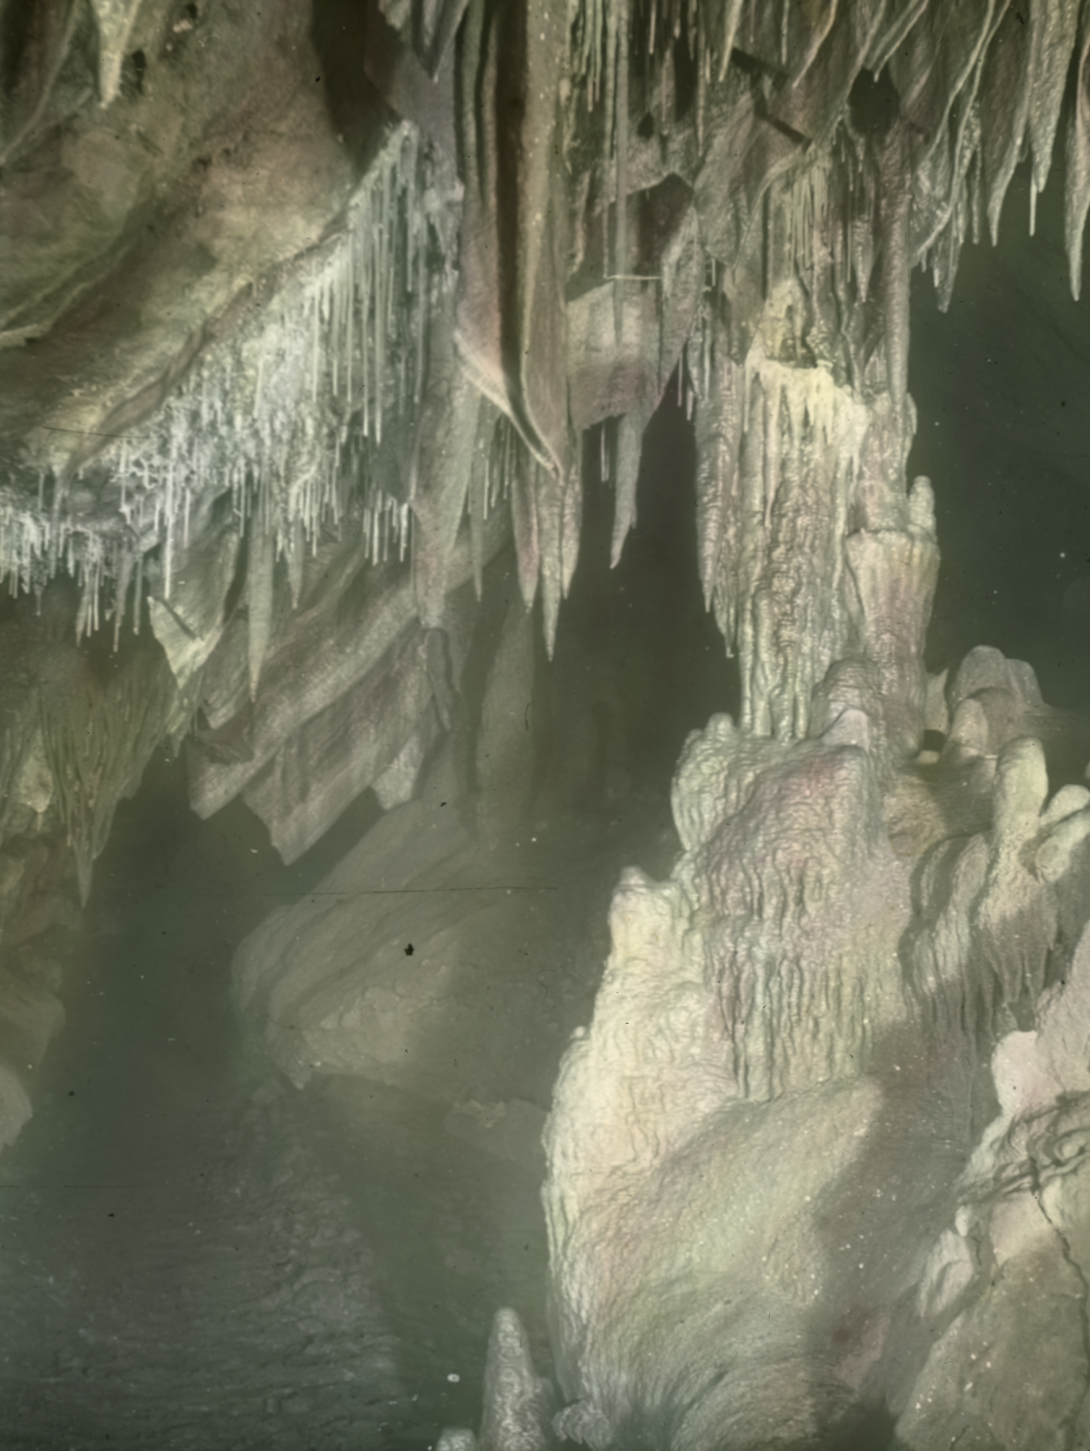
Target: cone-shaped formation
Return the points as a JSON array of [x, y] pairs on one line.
[[814, 190]]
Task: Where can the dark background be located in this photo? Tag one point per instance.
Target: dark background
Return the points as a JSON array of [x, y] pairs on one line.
[[1002, 386]]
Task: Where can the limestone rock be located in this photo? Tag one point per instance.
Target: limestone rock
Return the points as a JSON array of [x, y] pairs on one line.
[[1008, 1362], [429, 960], [15, 1106], [518, 1403], [750, 1224]]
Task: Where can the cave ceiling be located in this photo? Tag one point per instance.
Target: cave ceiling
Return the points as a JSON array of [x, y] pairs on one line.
[[333, 338], [309, 312], [291, 292]]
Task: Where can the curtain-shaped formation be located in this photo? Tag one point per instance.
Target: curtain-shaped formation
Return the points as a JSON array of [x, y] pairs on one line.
[[510, 311]]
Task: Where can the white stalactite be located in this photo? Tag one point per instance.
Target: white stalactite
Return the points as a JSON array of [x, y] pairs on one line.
[[281, 415]]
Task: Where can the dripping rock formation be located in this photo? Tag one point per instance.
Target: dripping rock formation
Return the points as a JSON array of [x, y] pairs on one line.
[[334, 339]]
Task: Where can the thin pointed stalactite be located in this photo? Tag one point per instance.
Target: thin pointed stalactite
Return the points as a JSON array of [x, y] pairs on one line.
[[280, 415], [259, 598], [549, 510], [1077, 157], [571, 523], [518, 469], [620, 251], [626, 470]]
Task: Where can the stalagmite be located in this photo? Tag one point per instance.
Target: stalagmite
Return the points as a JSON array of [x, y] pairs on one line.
[[518, 1403], [823, 1135]]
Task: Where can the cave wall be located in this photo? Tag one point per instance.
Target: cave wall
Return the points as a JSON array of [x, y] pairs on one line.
[[346, 292], [311, 318]]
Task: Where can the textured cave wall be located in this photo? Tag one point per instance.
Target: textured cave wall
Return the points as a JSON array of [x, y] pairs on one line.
[[312, 317], [376, 279], [291, 311], [816, 1169]]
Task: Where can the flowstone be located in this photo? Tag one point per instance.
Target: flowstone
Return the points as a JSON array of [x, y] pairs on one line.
[[818, 1162], [307, 314]]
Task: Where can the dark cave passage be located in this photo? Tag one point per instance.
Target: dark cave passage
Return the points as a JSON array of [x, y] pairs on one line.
[[199, 1255], [476, 992], [1000, 382], [647, 616], [161, 1206]]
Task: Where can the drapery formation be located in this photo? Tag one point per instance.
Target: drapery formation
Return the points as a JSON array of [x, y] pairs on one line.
[[530, 219], [317, 321]]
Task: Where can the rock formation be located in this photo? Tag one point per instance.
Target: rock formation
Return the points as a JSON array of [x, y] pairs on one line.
[[803, 1165], [319, 325]]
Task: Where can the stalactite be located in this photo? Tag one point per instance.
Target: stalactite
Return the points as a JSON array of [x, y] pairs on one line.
[[626, 476], [259, 598], [297, 394], [620, 254], [1007, 90], [1077, 156], [98, 738], [1053, 36], [518, 484], [571, 524], [548, 491]]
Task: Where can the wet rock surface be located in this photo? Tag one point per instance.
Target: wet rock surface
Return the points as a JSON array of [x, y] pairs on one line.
[[193, 1253], [755, 1241]]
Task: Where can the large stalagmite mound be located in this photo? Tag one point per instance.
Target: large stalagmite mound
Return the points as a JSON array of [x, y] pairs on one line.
[[324, 327]]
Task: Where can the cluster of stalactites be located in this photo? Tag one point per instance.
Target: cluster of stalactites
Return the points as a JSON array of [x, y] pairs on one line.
[[605, 35], [313, 402], [318, 399], [792, 410], [36, 544], [777, 481], [978, 96], [999, 103]]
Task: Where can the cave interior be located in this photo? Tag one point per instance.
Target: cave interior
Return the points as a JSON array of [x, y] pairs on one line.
[[544, 725]]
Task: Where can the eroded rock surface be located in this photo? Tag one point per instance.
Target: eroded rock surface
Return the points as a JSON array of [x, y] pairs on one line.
[[816, 1166]]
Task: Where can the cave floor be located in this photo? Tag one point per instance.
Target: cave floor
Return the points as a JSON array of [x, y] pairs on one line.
[[195, 1254], [217, 1271]]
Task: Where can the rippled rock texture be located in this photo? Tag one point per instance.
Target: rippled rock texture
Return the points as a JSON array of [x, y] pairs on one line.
[[817, 1169], [324, 331]]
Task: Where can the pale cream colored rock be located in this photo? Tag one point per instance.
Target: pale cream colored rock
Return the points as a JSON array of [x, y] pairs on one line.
[[15, 1107], [30, 1018], [518, 1403]]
